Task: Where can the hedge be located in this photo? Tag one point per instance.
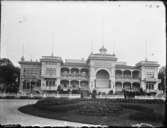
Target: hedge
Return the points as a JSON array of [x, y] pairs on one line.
[[56, 101], [20, 97], [138, 108], [145, 116]]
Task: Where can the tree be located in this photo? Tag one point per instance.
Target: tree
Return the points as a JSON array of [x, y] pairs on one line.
[[162, 77], [9, 76]]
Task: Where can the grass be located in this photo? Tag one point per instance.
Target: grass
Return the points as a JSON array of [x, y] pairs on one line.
[[99, 111]]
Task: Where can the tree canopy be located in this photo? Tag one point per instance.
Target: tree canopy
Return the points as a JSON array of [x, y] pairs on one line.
[[9, 76], [162, 77]]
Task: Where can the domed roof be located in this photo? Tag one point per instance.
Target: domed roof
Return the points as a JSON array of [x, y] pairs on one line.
[[103, 50]]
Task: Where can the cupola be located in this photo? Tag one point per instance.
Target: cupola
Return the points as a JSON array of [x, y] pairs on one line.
[[103, 50]]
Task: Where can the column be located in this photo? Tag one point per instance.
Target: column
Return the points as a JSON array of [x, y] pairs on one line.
[[131, 85], [122, 85], [30, 86], [95, 83], [113, 87], [26, 84], [79, 84], [131, 73], [91, 85], [122, 73], [69, 70], [109, 83], [48, 81], [57, 82], [22, 78], [79, 72], [69, 86], [21, 85]]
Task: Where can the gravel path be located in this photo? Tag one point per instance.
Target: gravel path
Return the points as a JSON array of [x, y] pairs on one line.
[[10, 115]]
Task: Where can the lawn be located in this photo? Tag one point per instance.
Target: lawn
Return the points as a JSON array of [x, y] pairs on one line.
[[115, 112]]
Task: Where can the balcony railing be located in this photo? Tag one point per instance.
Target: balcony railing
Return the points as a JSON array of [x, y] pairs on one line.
[[151, 79], [127, 77], [49, 88], [75, 76]]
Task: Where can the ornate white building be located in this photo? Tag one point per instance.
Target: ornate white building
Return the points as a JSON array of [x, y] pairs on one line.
[[101, 71]]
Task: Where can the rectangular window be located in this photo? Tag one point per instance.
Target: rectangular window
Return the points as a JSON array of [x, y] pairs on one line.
[[150, 86], [46, 82], [147, 86]]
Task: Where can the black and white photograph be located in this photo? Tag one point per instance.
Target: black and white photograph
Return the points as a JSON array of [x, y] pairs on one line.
[[82, 63]]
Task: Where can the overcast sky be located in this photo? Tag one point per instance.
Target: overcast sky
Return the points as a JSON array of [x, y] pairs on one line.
[[132, 30]]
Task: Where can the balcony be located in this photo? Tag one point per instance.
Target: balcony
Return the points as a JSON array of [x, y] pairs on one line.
[[151, 80], [48, 76], [74, 73], [128, 75]]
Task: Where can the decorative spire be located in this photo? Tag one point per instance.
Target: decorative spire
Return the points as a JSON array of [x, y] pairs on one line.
[[146, 57], [53, 40], [103, 50], [91, 47], [22, 58], [114, 49]]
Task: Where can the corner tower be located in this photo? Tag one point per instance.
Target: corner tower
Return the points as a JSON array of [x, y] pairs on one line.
[[50, 73]]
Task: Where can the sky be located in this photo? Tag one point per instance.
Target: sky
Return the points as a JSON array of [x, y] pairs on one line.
[[72, 30]]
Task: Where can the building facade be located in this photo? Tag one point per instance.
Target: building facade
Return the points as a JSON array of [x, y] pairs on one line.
[[101, 72]]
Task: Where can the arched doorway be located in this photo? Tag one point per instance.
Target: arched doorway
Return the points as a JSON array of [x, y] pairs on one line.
[[75, 84], [102, 79], [127, 85], [136, 86], [118, 86]]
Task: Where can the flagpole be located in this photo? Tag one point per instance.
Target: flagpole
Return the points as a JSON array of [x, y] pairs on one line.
[[0, 28], [146, 51]]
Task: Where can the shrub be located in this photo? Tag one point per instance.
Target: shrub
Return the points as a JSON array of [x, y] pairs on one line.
[[94, 93], [119, 93], [129, 94], [151, 93], [75, 92], [99, 93], [110, 92], [37, 97], [24, 97], [103, 93], [9, 97], [82, 95]]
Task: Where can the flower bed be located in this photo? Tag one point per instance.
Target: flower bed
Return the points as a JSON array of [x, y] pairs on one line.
[[98, 111], [93, 106]]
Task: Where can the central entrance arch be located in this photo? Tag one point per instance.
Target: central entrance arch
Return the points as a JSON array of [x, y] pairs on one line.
[[102, 79]]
